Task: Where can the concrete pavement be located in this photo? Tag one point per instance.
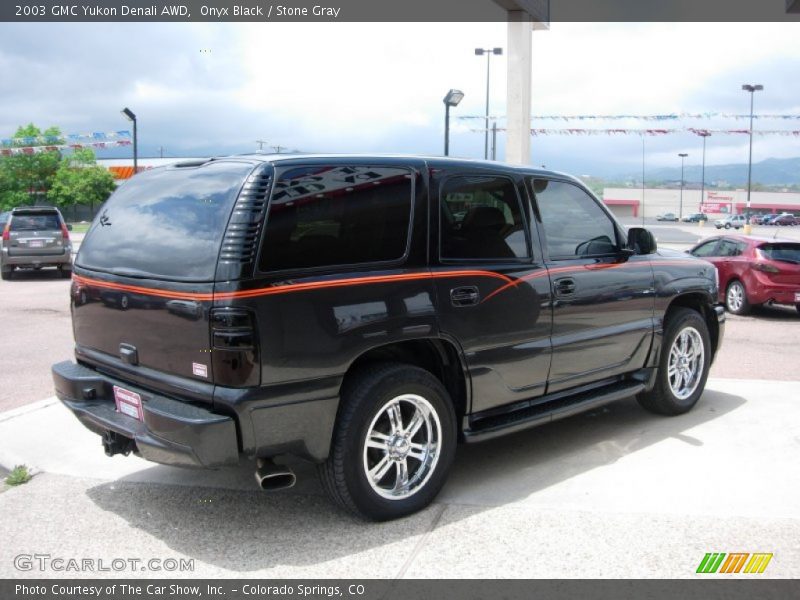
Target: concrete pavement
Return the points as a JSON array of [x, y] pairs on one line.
[[613, 493]]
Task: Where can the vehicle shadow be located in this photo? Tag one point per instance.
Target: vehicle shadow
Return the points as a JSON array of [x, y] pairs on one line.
[[775, 312], [220, 518], [44, 274]]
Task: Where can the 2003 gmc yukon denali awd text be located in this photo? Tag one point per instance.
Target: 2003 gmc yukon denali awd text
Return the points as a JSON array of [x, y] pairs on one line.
[[367, 314]]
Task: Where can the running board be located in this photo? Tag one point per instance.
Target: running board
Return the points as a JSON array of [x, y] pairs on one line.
[[542, 411]]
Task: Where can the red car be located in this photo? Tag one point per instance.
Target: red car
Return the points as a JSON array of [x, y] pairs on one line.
[[753, 270], [786, 220]]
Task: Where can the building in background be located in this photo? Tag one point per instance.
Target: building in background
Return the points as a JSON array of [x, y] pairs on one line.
[[627, 202]]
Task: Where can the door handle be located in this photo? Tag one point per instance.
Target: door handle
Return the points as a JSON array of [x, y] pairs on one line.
[[564, 286], [464, 296]]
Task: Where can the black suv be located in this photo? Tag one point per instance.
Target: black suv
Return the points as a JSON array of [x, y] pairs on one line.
[[368, 313]]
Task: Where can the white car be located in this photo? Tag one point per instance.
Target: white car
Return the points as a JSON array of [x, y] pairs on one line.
[[735, 221]]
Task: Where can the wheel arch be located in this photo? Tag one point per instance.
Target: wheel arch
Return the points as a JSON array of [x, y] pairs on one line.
[[439, 356], [698, 302]]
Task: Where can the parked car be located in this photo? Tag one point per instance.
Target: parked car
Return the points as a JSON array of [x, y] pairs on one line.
[[35, 237], [761, 219], [735, 221], [367, 314], [784, 220], [667, 217], [694, 218], [753, 270], [773, 217], [767, 219]]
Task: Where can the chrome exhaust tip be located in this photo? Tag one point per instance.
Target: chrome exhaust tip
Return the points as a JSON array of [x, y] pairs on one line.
[[272, 477]]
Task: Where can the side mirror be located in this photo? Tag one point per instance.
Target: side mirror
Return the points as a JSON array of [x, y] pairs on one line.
[[641, 241]]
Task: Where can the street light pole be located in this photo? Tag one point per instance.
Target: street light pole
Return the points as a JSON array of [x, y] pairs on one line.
[[683, 155], [128, 114], [488, 52], [752, 89], [452, 98], [704, 134]]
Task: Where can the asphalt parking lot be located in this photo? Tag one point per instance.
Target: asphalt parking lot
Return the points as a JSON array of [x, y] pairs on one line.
[[617, 492]]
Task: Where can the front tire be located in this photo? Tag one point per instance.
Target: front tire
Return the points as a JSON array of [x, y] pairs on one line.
[[736, 298], [394, 442], [683, 365]]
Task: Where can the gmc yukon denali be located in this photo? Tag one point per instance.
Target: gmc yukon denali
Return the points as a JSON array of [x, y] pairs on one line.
[[368, 314]]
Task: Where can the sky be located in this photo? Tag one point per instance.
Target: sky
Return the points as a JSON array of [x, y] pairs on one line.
[[203, 89]]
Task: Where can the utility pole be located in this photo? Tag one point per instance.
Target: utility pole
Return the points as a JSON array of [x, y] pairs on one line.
[[261, 145], [279, 148]]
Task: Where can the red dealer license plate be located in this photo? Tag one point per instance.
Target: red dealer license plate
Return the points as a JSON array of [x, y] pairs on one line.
[[128, 403]]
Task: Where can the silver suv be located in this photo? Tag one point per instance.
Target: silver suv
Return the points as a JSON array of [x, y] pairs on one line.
[[735, 221], [36, 237]]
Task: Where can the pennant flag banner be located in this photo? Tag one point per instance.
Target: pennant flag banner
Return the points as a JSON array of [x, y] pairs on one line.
[[57, 147], [666, 117], [73, 138], [652, 132]]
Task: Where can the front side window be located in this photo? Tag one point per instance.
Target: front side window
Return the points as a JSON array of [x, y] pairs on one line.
[[706, 249], [337, 215], [481, 218], [574, 224]]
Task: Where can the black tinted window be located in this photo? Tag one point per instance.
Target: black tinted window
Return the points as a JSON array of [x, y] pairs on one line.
[[166, 222], [337, 215], [574, 224], [481, 218], [781, 251], [34, 221]]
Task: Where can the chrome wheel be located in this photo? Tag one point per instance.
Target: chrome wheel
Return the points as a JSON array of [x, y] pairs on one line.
[[401, 447], [735, 296], [686, 360]]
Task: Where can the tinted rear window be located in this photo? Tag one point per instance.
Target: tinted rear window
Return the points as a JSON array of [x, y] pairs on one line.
[[34, 221], [784, 252], [166, 223], [337, 215]]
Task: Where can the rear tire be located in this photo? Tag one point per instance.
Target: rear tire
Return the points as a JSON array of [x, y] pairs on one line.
[[393, 444], [65, 273], [797, 307], [683, 364], [6, 273], [736, 298]]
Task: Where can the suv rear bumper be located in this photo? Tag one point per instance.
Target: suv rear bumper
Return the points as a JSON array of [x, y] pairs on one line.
[[171, 432], [36, 260]]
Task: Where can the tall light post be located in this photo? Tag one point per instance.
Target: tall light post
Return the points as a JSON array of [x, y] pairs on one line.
[[488, 52], [752, 89], [128, 114], [452, 98], [683, 156], [704, 134]]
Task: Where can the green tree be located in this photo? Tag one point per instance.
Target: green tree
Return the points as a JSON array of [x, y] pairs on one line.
[[79, 180], [28, 177]]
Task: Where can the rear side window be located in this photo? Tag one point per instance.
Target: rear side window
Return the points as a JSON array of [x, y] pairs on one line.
[[481, 218], [166, 223], [22, 221], [783, 252], [731, 248], [337, 215]]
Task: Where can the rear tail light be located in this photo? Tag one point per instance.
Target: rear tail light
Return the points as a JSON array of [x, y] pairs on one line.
[[766, 268], [64, 230], [234, 342], [6, 234]]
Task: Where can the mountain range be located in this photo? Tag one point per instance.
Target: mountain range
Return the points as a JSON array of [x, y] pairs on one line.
[[772, 171]]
